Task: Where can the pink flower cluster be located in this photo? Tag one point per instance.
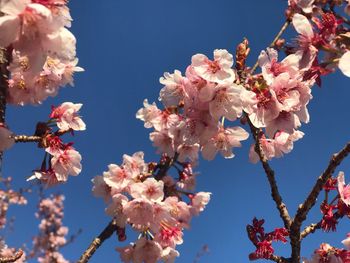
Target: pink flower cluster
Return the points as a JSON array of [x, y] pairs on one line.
[[41, 48], [64, 160], [6, 138], [146, 197], [328, 254], [194, 105], [51, 231], [263, 241]]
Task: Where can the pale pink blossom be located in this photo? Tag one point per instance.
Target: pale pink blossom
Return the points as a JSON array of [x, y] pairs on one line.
[[115, 209], [6, 138], [49, 177], [305, 5], [218, 71], [344, 63], [188, 152], [346, 242], [174, 91], [307, 52], [135, 164], [223, 141], [100, 188], [344, 190], [179, 210], [150, 189], [139, 212], [199, 201], [117, 177], [169, 255], [65, 163], [148, 113], [163, 142], [146, 251], [67, 116], [126, 253], [169, 235]]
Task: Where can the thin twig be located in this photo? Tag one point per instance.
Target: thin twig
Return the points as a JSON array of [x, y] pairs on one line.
[[271, 178], [310, 201], [97, 242], [279, 34], [26, 138], [13, 258]]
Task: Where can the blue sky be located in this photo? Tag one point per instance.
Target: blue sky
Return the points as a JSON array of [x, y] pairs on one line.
[[125, 46]]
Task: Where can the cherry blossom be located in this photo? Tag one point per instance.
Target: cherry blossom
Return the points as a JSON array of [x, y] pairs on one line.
[[67, 116], [6, 138]]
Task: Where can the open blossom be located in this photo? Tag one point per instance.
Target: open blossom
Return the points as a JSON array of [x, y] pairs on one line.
[[6, 138], [344, 190], [65, 163], [148, 113], [150, 189], [223, 141], [305, 5], [67, 116], [344, 63], [199, 201], [307, 51], [117, 177], [139, 212], [218, 71], [173, 91]]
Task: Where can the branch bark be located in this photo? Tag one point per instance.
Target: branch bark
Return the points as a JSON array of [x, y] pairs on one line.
[[282, 208], [97, 242]]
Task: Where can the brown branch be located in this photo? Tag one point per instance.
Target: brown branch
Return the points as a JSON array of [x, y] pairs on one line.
[[278, 259], [26, 138], [13, 258], [310, 201], [279, 34], [270, 176], [97, 242], [310, 229]]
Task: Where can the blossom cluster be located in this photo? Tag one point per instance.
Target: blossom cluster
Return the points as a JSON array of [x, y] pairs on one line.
[[64, 160], [40, 48], [263, 241], [144, 196], [328, 254], [52, 233]]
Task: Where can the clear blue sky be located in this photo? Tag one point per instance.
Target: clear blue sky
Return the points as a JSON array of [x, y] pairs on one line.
[[125, 46]]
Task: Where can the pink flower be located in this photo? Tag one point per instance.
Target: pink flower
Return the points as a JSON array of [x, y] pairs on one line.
[[346, 242], [67, 116], [307, 51], [65, 163], [150, 189], [173, 92], [48, 177], [169, 255], [344, 63], [148, 113], [100, 188], [6, 138], [139, 212], [344, 190], [223, 141], [146, 251], [115, 209], [305, 5], [199, 201], [117, 178], [126, 253], [218, 71]]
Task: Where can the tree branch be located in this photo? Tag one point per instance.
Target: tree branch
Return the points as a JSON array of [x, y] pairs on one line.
[[310, 229], [310, 201], [13, 258], [270, 176], [278, 259], [26, 138], [97, 242]]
